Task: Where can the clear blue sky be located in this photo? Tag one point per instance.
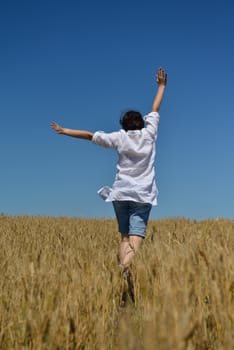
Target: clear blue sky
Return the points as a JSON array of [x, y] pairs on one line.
[[82, 63]]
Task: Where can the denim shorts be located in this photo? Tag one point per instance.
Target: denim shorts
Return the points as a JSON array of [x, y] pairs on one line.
[[132, 217]]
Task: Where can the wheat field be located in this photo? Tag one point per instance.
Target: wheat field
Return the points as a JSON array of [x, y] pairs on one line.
[[61, 285]]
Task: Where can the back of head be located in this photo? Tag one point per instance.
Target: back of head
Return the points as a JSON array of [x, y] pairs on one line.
[[132, 120]]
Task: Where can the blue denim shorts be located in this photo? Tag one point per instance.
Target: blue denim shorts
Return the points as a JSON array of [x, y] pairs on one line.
[[132, 217]]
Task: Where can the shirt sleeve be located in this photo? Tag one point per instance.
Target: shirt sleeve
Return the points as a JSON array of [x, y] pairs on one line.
[[108, 140], [152, 121]]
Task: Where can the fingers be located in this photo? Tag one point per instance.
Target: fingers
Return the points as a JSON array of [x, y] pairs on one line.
[[161, 73], [56, 127], [161, 76], [53, 124]]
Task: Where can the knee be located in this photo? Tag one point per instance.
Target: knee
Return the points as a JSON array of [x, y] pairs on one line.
[[124, 238], [135, 242]]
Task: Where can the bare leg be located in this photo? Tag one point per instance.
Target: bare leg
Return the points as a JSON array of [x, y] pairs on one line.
[[124, 246], [129, 245]]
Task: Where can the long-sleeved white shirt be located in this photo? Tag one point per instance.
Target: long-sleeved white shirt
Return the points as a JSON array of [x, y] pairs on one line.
[[135, 178]]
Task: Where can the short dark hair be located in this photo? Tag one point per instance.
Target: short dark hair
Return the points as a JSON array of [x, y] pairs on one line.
[[132, 120]]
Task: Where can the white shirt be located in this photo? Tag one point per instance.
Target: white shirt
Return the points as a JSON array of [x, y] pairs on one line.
[[135, 178]]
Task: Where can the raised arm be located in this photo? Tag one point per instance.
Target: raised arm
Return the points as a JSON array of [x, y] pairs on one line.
[[80, 134], [161, 79]]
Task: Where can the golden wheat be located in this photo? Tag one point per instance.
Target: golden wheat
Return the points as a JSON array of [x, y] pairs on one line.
[[61, 285]]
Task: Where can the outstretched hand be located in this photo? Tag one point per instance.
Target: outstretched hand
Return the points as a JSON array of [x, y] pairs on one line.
[[56, 127], [161, 77]]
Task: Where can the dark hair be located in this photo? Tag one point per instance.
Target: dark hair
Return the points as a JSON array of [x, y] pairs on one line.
[[132, 120]]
